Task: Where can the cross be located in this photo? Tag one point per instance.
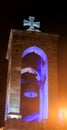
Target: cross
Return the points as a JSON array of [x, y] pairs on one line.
[[31, 24]]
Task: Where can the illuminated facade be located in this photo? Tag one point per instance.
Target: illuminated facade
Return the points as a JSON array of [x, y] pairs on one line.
[[32, 84]]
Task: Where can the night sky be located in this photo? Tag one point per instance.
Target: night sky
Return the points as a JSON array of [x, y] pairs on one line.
[[53, 19]]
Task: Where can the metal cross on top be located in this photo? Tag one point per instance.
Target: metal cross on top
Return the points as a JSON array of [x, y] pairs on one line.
[[31, 24]]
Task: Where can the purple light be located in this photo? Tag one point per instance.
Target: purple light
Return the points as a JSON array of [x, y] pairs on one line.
[[30, 94], [43, 81]]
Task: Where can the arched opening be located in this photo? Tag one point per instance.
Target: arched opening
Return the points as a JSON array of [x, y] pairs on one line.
[[34, 85]]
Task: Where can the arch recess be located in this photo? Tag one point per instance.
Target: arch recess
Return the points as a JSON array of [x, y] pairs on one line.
[[43, 88]]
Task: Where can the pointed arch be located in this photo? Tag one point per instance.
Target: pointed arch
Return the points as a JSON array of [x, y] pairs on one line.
[[43, 89], [36, 50]]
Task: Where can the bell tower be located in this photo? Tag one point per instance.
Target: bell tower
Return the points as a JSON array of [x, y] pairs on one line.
[[32, 82]]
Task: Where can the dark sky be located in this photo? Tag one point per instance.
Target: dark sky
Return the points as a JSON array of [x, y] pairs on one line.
[[52, 17]]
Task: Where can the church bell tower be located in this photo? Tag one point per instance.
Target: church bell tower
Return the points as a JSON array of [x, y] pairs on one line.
[[32, 81]]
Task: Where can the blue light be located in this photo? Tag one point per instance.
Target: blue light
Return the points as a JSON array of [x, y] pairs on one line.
[[36, 50], [31, 117], [21, 80], [30, 94], [42, 82]]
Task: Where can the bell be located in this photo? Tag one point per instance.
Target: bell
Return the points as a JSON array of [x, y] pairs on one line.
[[29, 85], [30, 92]]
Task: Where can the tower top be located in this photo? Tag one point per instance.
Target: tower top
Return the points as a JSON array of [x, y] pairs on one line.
[[31, 24]]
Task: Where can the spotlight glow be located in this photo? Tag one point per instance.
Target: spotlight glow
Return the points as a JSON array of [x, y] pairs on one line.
[[63, 114]]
